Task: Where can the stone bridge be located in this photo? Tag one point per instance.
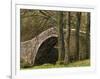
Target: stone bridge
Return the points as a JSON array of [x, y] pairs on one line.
[[29, 49], [42, 48]]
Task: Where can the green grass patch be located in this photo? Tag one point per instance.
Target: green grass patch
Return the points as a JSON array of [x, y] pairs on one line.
[[82, 63]]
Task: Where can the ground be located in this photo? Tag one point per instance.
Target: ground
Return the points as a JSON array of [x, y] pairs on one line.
[[82, 63]]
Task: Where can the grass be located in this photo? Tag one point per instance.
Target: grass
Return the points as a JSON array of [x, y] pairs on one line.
[[82, 63]]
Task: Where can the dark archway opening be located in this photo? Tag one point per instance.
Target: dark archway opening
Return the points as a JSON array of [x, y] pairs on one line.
[[47, 52]]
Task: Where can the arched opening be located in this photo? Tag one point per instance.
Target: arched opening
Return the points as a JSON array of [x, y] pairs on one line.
[[47, 52]]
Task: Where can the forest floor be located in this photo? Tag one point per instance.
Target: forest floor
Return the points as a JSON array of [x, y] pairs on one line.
[[82, 63]]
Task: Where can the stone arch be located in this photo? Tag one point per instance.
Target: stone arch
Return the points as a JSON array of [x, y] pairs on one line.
[[46, 45], [30, 48]]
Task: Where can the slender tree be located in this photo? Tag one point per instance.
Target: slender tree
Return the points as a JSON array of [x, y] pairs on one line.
[[61, 47], [67, 45], [88, 36], [78, 14]]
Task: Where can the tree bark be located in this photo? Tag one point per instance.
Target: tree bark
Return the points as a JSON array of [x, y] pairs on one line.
[[77, 34], [88, 36], [61, 47], [67, 46]]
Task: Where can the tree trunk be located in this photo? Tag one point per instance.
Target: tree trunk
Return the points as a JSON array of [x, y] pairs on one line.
[[61, 47], [77, 34], [88, 36], [67, 46]]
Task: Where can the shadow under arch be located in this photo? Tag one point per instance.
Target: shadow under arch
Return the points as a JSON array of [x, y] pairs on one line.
[[47, 52]]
